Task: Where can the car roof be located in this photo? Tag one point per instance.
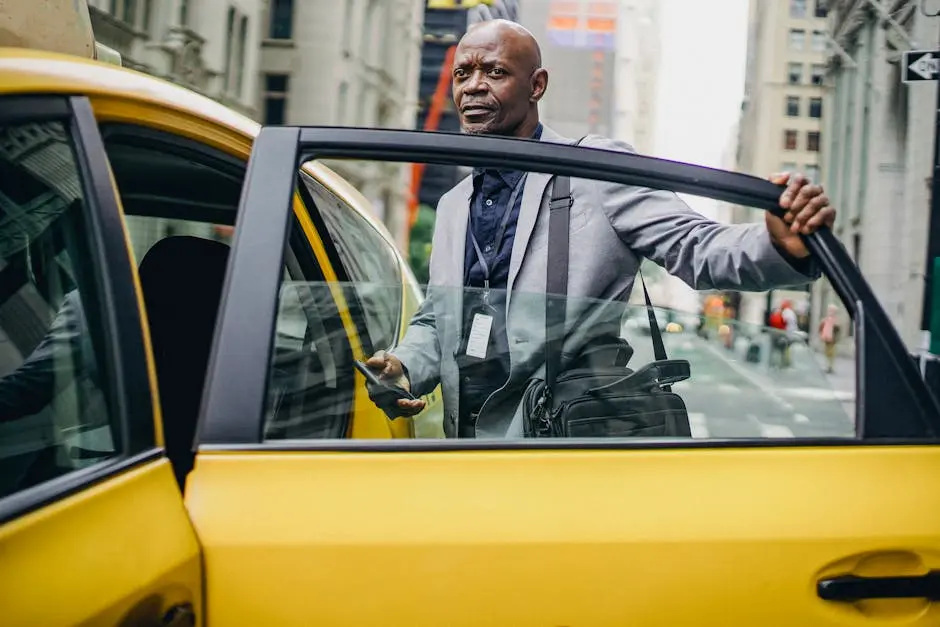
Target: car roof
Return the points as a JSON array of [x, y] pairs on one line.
[[39, 71]]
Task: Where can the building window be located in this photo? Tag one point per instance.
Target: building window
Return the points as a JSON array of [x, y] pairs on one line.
[[797, 38], [229, 42], [819, 74], [793, 106], [819, 41], [812, 173], [789, 140], [821, 10], [282, 19], [343, 103], [812, 141], [795, 73], [184, 13], [275, 98], [797, 8], [129, 13], [240, 54], [815, 107], [147, 21]]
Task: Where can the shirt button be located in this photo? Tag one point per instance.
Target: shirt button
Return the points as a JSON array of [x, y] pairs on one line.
[[489, 202]]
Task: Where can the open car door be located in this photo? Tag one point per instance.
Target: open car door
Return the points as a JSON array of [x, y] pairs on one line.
[[834, 524], [92, 525]]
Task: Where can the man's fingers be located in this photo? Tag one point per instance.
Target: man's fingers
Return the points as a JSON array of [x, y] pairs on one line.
[[779, 178], [825, 217], [409, 407], [377, 360], [811, 208], [790, 194]]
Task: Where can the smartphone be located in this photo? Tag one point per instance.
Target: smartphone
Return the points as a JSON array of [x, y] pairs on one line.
[[383, 394]]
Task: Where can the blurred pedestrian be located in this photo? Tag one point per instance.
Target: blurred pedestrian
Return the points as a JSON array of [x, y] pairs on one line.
[[829, 330]]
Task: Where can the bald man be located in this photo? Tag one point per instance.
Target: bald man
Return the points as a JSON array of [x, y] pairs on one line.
[[498, 81]]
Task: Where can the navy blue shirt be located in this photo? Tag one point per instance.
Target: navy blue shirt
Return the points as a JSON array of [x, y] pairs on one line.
[[492, 190]]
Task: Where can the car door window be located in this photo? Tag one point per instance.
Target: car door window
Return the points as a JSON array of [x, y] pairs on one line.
[[55, 416], [369, 260], [175, 188]]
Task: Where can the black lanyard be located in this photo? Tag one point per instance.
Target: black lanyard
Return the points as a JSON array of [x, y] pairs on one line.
[[484, 264]]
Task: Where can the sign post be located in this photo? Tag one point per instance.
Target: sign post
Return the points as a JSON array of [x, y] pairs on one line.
[[921, 66]]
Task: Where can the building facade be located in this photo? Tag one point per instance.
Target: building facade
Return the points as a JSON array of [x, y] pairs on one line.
[[878, 157], [780, 126], [636, 73], [350, 63], [209, 47]]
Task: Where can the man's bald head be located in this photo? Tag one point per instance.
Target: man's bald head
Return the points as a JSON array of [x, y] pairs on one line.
[[498, 79], [516, 34]]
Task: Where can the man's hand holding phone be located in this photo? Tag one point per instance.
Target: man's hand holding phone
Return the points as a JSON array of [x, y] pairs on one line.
[[389, 388]]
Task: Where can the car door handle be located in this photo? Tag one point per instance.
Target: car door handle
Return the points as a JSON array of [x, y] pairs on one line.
[[848, 588]]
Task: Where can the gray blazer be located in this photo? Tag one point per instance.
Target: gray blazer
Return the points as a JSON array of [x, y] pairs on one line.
[[612, 227]]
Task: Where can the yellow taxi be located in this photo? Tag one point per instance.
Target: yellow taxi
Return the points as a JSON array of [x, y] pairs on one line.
[[184, 439]]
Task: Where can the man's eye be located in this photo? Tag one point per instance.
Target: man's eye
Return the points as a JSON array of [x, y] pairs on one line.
[[497, 71]]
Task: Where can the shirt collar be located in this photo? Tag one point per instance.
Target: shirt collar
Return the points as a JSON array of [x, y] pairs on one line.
[[510, 177]]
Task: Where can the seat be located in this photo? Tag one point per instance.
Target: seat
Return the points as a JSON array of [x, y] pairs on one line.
[[181, 277]]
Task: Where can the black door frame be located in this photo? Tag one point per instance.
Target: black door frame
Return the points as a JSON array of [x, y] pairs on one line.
[[893, 404]]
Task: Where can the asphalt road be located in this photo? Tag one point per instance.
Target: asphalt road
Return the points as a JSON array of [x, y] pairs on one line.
[[728, 397]]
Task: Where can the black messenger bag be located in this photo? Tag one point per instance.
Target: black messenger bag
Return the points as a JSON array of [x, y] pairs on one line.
[[606, 400]]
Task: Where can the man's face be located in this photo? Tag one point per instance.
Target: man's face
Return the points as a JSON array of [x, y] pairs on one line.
[[492, 86]]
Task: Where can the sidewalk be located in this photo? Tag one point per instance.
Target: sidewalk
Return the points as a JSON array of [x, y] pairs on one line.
[[842, 379]]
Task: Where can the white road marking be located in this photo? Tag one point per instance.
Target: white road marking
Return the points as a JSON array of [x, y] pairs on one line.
[[771, 431], [775, 431], [750, 377], [800, 418], [729, 388], [819, 394], [697, 425]]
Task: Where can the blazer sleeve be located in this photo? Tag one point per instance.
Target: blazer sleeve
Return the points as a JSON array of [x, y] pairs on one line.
[[705, 254], [420, 349]]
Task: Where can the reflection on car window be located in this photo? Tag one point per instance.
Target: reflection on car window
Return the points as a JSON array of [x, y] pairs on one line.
[[54, 414], [369, 260], [310, 391], [708, 280]]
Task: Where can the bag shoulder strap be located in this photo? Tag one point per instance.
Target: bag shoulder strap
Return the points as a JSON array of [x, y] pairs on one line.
[[556, 284]]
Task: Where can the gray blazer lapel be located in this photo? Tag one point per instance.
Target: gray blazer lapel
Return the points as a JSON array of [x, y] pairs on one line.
[[456, 207], [532, 195]]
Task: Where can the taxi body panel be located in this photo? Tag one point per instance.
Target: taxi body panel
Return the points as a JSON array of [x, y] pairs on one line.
[[116, 553]]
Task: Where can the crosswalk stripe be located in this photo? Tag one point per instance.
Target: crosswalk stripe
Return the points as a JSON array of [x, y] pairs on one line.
[[697, 425]]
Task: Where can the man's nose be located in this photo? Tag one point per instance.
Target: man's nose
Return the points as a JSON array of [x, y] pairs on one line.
[[475, 83]]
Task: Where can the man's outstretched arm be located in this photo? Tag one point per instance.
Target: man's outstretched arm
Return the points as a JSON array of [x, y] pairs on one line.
[[705, 254]]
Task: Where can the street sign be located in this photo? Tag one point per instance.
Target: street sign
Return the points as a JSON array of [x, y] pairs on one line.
[[920, 65]]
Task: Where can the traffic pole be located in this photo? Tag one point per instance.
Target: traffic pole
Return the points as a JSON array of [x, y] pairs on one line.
[[929, 311]]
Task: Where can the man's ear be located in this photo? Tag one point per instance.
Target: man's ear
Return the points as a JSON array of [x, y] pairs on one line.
[[539, 84]]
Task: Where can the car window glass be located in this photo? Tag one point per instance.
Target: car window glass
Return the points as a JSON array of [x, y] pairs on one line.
[[169, 194], [765, 365], [369, 260], [54, 413]]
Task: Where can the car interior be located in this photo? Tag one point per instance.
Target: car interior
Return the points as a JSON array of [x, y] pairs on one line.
[[176, 197]]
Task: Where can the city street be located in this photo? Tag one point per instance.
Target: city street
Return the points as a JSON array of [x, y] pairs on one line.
[[728, 397]]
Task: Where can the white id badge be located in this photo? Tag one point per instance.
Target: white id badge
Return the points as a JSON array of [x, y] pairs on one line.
[[479, 339]]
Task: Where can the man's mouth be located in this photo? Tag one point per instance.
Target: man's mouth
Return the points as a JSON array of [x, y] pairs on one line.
[[475, 111]]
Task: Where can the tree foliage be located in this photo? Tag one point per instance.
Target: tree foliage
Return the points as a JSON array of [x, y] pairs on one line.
[[419, 246]]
